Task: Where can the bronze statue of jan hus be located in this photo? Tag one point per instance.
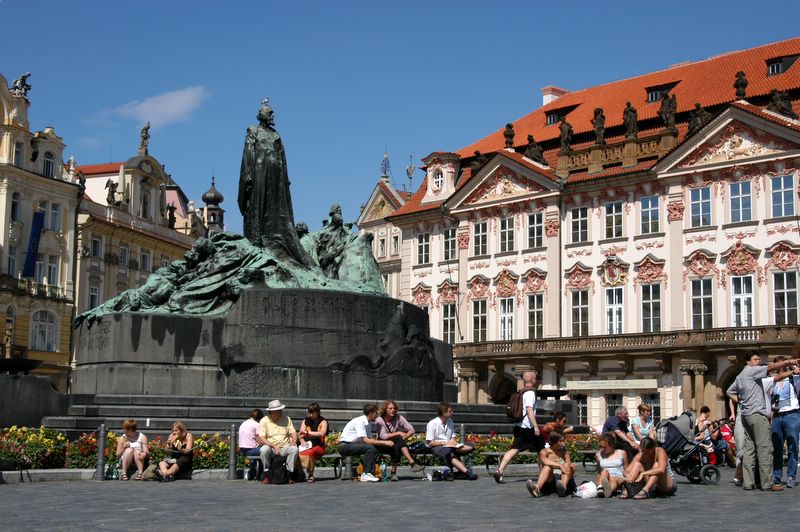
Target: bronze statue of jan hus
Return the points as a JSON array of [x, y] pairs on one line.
[[264, 198]]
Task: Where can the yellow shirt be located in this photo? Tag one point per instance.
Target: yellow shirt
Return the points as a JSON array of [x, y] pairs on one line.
[[277, 433]]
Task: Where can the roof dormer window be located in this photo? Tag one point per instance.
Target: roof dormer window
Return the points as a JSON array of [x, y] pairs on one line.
[[779, 65], [552, 118], [775, 68], [438, 179], [655, 93]]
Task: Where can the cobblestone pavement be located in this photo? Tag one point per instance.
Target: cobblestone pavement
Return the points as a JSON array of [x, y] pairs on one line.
[[411, 504]]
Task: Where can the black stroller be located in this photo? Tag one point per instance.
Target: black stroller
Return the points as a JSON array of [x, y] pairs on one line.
[[687, 457]]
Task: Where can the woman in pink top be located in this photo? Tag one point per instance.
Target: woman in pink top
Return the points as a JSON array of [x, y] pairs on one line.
[[248, 445], [394, 427]]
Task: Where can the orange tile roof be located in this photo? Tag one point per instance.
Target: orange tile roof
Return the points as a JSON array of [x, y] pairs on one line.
[[709, 82], [100, 169], [775, 118]]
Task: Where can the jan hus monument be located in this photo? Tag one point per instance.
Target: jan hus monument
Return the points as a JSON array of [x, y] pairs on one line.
[[278, 311]]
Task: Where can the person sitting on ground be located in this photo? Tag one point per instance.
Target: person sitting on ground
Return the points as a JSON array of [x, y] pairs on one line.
[[642, 424], [618, 424], [181, 447], [277, 436], [441, 438], [556, 470], [559, 423], [649, 473], [132, 446], [392, 426], [248, 443], [313, 430], [526, 432], [612, 462], [355, 441]]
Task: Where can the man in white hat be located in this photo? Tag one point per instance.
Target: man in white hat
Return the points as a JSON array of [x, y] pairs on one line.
[[276, 435]]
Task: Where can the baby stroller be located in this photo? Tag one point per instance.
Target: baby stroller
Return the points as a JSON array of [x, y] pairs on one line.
[[687, 457]]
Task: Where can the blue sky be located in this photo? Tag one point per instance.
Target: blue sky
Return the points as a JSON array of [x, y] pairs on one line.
[[345, 78]]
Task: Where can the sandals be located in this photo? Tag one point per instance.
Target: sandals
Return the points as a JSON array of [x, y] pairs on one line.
[[124, 477], [310, 479], [498, 476], [138, 476], [533, 489], [643, 494]]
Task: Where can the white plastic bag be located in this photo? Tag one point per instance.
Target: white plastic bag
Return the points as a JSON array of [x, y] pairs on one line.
[[587, 490]]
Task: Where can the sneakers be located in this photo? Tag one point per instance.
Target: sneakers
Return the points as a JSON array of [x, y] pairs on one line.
[[790, 482], [369, 477], [738, 482], [532, 489], [561, 489], [416, 468], [472, 476]]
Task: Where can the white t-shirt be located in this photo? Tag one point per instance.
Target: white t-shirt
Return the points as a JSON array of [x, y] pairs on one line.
[[438, 431], [787, 395], [355, 429], [528, 400]]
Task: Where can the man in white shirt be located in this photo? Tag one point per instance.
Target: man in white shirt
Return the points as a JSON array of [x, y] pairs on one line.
[[354, 440], [785, 425], [441, 438], [527, 434]]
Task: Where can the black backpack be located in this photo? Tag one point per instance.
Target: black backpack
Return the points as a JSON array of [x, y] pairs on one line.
[[278, 473], [514, 410]]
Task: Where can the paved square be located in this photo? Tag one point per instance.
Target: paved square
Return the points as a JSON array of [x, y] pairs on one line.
[[405, 505]]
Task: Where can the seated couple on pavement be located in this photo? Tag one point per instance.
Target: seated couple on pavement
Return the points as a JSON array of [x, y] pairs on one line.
[[648, 474]]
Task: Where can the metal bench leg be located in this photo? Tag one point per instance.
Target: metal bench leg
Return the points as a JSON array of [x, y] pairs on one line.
[[338, 466], [347, 469]]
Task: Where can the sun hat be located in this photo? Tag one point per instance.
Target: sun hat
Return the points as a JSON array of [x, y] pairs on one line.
[[275, 405]]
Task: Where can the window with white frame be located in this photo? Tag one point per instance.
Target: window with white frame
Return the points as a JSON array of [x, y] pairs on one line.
[[382, 247], [782, 196], [438, 179], [742, 300], [775, 68], [12, 261], [581, 409], [650, 215], [395, 244], [144, 202], [39, 272], [53, 268], [479, 238], [580, 313], [613, 401], [785, 294], [449, 323], [49, 165], [54, 223], [507, 318], [536, 230], [700, 201], [651, 308], [19, 152], [506, 234], [144, 261], [97, 247], [654, 400], [15, 207], [536, 316], [10, 320], [614, 219], [43, 331], [123, 256], [94, 297], [614, 310], [741, 208], [580, 224], [449, 241], [702, 304], [552, 118], [423, 248], [479, 320]]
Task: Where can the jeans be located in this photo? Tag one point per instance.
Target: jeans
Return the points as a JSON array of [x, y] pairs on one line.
[[757, 443], [784, 430], [254, 451], [369, 452]]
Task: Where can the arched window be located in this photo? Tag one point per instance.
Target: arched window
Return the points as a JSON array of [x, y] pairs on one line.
[[43, 333], [144, 202], [49, 168]]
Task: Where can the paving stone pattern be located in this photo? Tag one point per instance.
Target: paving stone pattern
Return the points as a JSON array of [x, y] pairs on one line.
[[411, 504]]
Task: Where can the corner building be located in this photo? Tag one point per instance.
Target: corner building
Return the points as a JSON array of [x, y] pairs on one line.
[[632, 263]]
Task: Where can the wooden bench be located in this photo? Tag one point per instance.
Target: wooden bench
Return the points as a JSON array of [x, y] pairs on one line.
[[337, 463], [587, 459]]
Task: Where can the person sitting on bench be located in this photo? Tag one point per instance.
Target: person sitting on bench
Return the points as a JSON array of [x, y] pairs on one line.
[[441, 438], [354, 441]]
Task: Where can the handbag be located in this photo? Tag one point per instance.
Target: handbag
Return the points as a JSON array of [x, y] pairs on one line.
[[150, 472]]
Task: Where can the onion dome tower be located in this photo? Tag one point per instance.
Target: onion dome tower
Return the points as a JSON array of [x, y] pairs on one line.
[[214, 214]]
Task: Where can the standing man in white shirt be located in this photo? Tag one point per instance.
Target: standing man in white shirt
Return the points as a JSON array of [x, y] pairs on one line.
[[354, 440], [527, 434], [786, 425], [441, 438]]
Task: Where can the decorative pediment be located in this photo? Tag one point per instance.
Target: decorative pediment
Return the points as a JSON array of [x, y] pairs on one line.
[[533, 281], [478, 287], [741, 260], [650, 270], [613, 271], [502, 183], [506, 283], [736, 141], [579, 277], [783, 255], [447, 292], [421, 295]]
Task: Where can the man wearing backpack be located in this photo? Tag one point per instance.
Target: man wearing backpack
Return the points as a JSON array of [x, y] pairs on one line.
[[526, 431]]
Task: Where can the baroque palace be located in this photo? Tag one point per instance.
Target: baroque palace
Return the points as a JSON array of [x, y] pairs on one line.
[[629, 241]]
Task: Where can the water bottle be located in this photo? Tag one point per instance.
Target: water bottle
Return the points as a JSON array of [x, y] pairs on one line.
[[114, 473], [446, 474], [384, 472]]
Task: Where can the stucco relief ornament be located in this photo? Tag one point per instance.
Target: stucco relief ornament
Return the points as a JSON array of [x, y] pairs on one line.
[[447, 293], [478, 288], [533, 283], [551, 227], [741, 261], [650, 272], [613, 273], [421, 296], [506, 284], [675, 211], [579, 279], [783, 257], [463, 240]]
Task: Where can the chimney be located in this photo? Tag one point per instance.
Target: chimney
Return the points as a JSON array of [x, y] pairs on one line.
[[552, 93]]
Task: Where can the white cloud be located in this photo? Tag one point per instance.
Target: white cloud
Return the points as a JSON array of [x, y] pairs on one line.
[[166, 108]]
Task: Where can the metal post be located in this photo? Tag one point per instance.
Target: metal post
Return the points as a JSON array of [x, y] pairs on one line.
[[100, 472], [462, 433], [232, 455]]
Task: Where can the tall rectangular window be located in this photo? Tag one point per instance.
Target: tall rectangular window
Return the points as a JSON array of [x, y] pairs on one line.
[[536, 230], [580, 224], [39, 272], [506, 234], [423, 248], [785, 293], [507, 318], [449, 323], [479, 239], [97, 247], [382, 247], [651, 308], [580, 313], [12, 261], [649, 212], [18, 154], [48, 165], [782, 196], [395, 244], [144, 262], [449, 238], [702, 304], [581, 409], [741, 208], [654, 400], [536, 316], [701, 206], [123, 256], [742, 300], [52, 270], [613, 401], [94, 296], [55, 217], [614, 310], [614, 219], [479, 320]]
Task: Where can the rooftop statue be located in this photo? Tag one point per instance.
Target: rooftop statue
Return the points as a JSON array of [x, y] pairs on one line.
[[508, 133], [669, 106], [630, 118], [20, 86], [740, 85], [144, 139], [565, 130], [534, 151], [781, 103], [599, 125], [698, 118]]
